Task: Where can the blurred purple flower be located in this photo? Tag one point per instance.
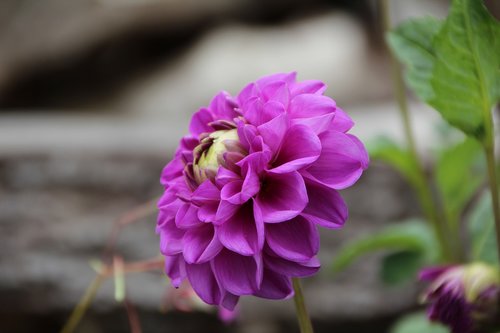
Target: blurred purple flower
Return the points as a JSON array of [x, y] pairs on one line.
[[247, 187], [465, 298]]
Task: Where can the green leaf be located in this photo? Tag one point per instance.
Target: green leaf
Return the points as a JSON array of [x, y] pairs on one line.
[[400, 267], [387, 151], [413, 235], [411, 43], [465, 77], [481, 227], [417, 323], [462, 160]]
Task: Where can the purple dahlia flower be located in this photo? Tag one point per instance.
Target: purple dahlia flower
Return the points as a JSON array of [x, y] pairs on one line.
[[465, 298], [248, 186]]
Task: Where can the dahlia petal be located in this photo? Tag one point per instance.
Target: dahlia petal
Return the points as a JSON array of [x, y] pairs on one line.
[[204, 283], [342, 122], [225, 211], [247, 92], [311, 105], [236, 273], [318, 124], [340, 164], [232, 192], [274, 131], [225, 176], [289, 78], [292, 268], [242, 233], [188, 143], [171, 238], [205, 192], [282, 197], [187, 216], [208, 212], [251, 183], [295, 240], [199, 122], [326, 207], [229, 301], [223, 106], [431, 273], [364, 157], [246, 134], [275, 286], [175, 268], [300, 148], [171, 171], [253, 110], [308, 87], [201, 244], [278, 92]]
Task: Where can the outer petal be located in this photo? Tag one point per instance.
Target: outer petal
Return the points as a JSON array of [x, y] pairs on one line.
[[318, 124], [172, 170], [340, 164], [291, 268], [187, 216], [289, 78], [274, 131], [229, 302], [342, 122], [275, 286], [204, 283], [295, 240], [300, 148], [175, 268], [201, 244], [326, 207], [277, 92], [243, 233], [282, 197], [206, 192], [307, 87], [171, 238], [311, 105], [199, 122], [240, 275], [223, 106]]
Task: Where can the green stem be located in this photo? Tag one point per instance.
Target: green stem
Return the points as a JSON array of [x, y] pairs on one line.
[[300, 306], [490, 158], [83, 305], [450, 251]]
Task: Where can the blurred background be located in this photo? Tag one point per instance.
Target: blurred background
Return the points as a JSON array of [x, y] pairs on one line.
[[94, 96]]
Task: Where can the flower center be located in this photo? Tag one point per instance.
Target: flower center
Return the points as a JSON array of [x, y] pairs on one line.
[[209, 154]]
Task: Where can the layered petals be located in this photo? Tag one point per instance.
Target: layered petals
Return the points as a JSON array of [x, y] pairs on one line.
[[250, 183], [341, 162]]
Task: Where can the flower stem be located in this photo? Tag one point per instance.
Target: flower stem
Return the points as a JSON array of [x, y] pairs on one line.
[[300, 306], [492, 178], [449, 247], [83, 305]]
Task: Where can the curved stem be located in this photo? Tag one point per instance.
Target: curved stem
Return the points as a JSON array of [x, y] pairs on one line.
[[450, 251], [492, 178], [83, 305], [300, 307]]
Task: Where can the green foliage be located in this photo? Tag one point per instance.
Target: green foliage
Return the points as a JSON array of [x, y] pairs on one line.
[[417, 323], [401, 239], [402, 266], [465, 78], [454, 67], [387, 151], [412, 42], [481, 227], [462, 160]]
